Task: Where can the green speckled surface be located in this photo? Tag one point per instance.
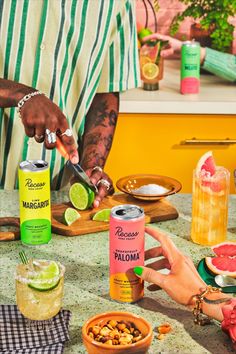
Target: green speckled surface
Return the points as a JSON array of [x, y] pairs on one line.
[[86, 280]]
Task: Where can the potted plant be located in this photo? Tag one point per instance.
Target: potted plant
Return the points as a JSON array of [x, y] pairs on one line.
[[213, 16]]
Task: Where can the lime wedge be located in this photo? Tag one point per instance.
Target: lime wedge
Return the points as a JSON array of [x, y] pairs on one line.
[[47, 275], [81, 196], [70, 216], [102, 215]]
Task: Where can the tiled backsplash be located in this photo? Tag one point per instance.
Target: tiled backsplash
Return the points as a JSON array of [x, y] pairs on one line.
[[168, 9]]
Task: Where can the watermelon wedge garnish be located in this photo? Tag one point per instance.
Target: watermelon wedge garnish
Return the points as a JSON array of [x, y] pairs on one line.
[[206, 165], [225, 262]]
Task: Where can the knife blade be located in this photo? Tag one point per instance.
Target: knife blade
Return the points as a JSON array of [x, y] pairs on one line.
[[82, 176], [76, 168]]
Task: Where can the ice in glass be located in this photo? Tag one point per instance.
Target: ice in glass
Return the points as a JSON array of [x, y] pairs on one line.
[[39, 289]]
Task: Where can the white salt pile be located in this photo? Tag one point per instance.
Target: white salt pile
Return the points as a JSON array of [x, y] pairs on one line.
[[151, 189]]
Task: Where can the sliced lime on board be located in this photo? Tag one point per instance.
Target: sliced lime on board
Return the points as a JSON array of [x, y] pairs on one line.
[[81, 196], [102, 215], [70, 216], [47, 276]]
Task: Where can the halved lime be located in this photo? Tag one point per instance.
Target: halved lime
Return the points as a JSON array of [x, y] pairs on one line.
[[81, 196], [70, 216], [47, 275], [102, 215]]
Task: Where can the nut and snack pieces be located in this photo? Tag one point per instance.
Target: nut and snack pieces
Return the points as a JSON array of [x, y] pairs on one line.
[[115, 333], [162, 330]]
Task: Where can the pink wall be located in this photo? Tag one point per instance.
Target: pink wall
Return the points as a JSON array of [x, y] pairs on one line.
[[167, 11]]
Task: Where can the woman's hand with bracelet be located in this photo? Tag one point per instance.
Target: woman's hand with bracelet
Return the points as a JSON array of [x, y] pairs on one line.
[[183, 282]]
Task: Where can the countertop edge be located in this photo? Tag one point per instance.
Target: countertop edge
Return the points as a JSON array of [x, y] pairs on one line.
[[178, 107]]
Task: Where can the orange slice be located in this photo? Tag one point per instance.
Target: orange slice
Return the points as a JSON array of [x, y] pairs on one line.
[[150, 71], [144, 60]]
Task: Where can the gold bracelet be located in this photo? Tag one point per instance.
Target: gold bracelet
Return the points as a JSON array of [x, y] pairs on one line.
[[199, 317]]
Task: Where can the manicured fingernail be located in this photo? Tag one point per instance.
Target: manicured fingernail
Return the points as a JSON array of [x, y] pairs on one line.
[[138, 270], [96, 204], [74, 159]]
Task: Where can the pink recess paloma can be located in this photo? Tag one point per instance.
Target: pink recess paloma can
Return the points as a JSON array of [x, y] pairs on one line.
[[126, 251]]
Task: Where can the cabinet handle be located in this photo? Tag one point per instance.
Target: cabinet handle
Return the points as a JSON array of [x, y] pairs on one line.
[[195, 141]]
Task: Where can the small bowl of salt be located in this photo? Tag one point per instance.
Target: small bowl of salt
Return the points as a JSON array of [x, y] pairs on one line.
[[148, 187]]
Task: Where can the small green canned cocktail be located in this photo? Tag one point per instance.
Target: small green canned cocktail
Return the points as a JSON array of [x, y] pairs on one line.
[[39, 289]]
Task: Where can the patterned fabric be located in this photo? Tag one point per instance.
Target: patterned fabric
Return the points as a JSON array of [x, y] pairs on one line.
[[17, 337], [220, 64], [229, 323], [70, 50]]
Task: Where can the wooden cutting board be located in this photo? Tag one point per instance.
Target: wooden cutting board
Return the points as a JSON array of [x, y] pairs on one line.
[[154, 211]]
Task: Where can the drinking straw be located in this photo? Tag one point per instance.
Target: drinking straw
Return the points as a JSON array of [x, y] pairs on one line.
[[23, 257]]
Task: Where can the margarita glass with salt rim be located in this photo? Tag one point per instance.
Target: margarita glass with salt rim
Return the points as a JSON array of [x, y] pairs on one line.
[[39, 289]]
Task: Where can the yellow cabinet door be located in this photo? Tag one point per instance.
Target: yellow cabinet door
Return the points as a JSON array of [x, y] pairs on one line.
[[153, 143]]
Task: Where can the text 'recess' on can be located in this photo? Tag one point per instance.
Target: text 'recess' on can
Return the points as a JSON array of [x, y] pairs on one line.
[[127, 224], [34, 197], [190, 67]]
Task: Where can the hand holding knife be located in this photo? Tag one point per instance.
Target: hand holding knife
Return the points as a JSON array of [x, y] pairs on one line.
[[76, 168]]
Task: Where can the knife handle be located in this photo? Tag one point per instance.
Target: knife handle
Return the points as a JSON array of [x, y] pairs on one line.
[[61, 148]]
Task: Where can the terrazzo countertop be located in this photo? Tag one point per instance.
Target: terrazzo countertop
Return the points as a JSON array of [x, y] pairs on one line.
[[87, 287]]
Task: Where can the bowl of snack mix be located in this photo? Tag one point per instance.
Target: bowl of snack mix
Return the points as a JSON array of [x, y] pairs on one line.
[[117, 333]]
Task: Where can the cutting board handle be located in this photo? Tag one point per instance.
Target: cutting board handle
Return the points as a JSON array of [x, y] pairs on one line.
[[10, 235]]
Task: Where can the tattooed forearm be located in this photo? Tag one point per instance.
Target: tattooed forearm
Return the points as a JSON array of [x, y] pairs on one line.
[[96, 139], [99, 129], [93, 158]]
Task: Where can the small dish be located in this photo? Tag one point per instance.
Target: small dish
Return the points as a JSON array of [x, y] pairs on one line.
[[209, 277], [128, 183], [94, 347]]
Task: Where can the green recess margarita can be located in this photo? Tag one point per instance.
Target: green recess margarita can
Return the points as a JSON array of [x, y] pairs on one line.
[[35, 209], [190, 67]]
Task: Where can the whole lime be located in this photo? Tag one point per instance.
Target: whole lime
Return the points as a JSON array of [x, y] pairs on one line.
[[144, 32]]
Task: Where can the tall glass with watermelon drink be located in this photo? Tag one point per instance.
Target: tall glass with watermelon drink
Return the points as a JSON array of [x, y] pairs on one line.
[[209, 202], [151, 64]]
